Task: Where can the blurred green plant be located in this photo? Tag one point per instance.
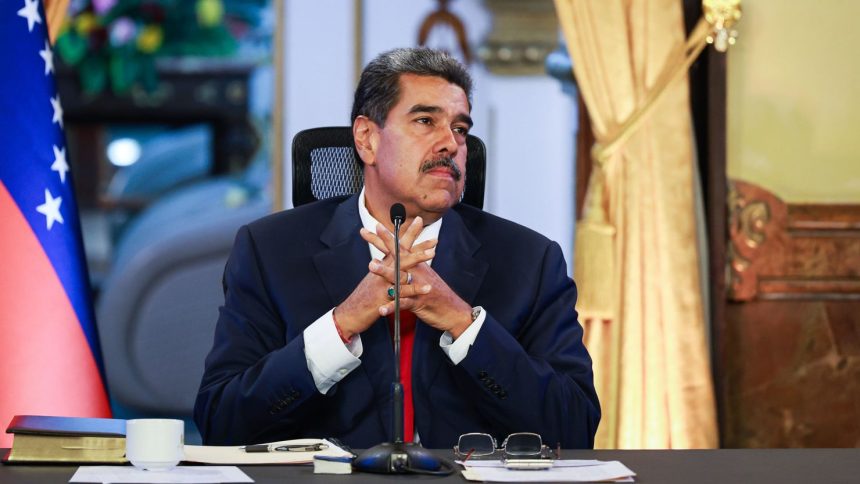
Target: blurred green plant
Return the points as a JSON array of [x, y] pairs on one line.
[[114, 43]]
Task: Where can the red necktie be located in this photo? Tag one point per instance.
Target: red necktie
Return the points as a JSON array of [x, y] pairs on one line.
[[407, 337]]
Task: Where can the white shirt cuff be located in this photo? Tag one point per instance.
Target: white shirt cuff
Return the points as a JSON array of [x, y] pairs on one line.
[[457, 350], [329, 359]]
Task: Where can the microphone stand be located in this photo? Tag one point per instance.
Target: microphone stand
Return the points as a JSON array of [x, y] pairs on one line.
[[399, 457], [397, 385]]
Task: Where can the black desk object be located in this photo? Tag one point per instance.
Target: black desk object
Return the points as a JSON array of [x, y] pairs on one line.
[[785, 466]]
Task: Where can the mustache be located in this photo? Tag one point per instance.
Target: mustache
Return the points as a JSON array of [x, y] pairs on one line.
[[444, 162]]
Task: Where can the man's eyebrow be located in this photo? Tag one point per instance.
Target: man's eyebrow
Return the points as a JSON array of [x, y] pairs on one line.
[[424, 108], [465, 118]]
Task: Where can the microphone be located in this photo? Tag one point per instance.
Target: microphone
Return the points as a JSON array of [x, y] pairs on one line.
[[398, 216], [398, 457]]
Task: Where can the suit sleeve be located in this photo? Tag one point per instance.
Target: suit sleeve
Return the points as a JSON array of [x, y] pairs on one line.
[[539, 379], [252, 382]]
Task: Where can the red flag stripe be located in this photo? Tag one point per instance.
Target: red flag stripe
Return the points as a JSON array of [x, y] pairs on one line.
[[47, 367]]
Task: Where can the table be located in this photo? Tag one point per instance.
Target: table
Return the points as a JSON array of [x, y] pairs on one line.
[[726, 466]]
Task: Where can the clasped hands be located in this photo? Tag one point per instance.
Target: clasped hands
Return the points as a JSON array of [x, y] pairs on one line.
[[427, 295]]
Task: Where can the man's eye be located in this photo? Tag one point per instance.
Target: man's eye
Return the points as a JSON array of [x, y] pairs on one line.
[[461, 130], [424, 120]]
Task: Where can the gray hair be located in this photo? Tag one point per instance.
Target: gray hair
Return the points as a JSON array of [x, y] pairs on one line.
[[379, 87]]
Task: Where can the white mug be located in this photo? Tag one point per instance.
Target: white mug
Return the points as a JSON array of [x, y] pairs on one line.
[[154, 443]]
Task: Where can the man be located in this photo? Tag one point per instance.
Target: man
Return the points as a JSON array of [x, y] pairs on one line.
[[302, 346]]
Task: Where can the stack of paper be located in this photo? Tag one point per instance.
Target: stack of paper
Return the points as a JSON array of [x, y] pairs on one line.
[[326, 464], [236, 455], [561, 471]]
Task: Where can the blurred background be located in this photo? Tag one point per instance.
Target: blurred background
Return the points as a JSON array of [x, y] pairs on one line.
[[179, 117]]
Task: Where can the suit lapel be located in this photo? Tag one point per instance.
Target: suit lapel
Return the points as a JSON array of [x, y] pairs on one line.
[[456, 265], [343, 263], [341, 266]]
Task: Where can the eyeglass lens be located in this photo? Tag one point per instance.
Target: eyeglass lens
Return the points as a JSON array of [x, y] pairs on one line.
[[478, 444], [523, 444]]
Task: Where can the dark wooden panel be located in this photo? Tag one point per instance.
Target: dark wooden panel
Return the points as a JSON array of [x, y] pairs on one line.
[[793, 378], [791, 366], [208, 91], [780, 251]]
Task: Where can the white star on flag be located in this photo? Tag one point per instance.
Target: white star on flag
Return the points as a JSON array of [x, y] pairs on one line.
[[58, 110], [48, 57], [60, 165], [30, 11], [51, 209]]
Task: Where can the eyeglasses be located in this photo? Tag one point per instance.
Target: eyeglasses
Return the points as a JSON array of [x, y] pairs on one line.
[[517, 446]]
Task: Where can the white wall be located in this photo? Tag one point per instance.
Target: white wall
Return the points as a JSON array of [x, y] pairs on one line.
[[530, 150], [318, 70], [527, 123]]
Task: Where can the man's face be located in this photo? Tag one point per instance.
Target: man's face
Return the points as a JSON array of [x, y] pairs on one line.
[[419, 156]]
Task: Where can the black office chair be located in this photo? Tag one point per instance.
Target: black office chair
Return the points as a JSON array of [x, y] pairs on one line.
[[324, 166]]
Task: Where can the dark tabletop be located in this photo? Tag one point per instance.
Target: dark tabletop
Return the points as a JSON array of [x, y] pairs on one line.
[[652, 466]]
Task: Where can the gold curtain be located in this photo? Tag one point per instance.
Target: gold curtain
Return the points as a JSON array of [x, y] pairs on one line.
[[637, 262], [55, 10]]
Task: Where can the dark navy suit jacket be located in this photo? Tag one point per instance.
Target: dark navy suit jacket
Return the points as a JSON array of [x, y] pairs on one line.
[[527, 370]]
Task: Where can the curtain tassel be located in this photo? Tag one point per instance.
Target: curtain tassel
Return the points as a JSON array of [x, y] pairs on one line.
[[594, 255]]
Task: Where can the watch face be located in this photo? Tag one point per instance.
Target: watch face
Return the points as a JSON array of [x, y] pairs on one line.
[[475, 313]]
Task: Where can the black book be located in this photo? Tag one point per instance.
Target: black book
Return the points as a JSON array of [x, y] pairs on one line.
[[44, 439]]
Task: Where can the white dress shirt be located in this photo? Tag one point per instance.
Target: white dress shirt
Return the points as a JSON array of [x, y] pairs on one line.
[[330, 360]]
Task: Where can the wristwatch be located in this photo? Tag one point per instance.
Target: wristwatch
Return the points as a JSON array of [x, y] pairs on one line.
[[476, 311]]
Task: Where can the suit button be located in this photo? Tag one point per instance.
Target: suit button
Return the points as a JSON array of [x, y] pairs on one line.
[[502, 394], [482, 375], [495, 388]]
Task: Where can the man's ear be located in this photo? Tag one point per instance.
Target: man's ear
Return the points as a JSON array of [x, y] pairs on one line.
[[365, 134]]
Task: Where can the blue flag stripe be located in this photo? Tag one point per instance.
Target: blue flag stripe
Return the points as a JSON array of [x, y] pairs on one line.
[[27, 140]]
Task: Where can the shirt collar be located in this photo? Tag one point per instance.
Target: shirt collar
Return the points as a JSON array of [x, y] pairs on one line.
[[367, 221]]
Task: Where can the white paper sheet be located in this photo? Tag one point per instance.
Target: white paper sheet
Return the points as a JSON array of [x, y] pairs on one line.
[[605, 471], [557, 463], [180, 474]]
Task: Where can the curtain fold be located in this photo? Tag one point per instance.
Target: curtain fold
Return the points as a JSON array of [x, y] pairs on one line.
[[55, 10], [636, 256]]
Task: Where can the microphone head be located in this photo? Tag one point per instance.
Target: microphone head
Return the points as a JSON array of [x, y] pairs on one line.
[[398, 213]]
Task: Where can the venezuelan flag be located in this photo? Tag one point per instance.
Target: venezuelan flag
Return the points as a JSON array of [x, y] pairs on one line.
[[49, 355]]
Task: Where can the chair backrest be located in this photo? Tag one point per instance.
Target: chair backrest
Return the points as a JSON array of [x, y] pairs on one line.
[[325, 166], [158, 306]]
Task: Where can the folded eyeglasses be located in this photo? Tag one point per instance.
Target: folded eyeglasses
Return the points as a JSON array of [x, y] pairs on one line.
[[520, 445]]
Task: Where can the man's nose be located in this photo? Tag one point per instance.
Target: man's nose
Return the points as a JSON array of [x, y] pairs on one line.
[[446, 141]]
